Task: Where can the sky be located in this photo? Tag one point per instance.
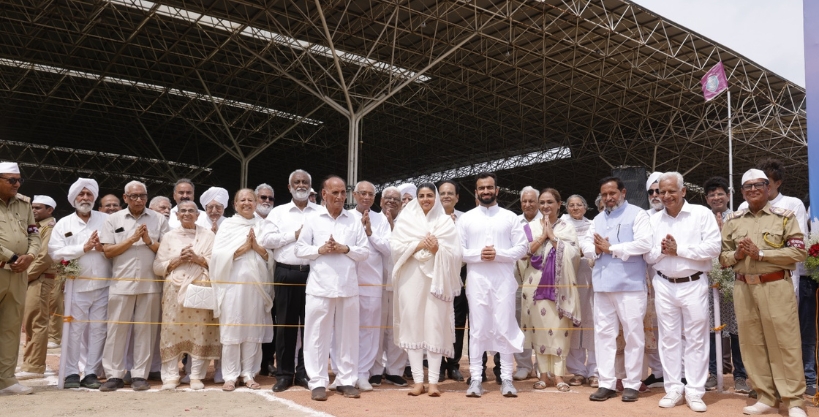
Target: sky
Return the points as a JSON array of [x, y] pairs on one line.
[[769, 32]]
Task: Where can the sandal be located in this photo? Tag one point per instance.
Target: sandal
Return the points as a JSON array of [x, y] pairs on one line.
[[563, 387], [539, 385], [577, 380], [417, 390], [433, 390], [229, 386], [252, 384]]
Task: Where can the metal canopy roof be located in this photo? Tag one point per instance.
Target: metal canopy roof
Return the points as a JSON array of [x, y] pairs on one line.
[[431, 86]]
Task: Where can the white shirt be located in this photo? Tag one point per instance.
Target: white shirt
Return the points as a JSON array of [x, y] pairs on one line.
[[371, 270], [641, 231], [698, 241], [173, 221], [483, 226], [332, 275], [92, 263], [794, 204], [279, 231]]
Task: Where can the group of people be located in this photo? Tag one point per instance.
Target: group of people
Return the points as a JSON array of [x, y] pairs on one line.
[[561, 298]]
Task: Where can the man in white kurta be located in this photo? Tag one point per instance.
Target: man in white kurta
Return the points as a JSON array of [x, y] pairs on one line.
[[76, 236], [334, 241], [370, 280], [686, 240], [493, 240], [529, 207]]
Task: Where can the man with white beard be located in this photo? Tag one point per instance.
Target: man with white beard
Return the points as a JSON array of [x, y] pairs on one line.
[[264, 200], [655, 203], [280, 233], [655, 378], [77, 237]]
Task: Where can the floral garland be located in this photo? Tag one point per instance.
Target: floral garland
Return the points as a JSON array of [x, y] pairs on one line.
[[722, 278], [66, 269], [812, 261]]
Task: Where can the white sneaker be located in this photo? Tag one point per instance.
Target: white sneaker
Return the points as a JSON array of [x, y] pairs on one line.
[[520, 374], [696, 404], [52, 345], [22, 376], [796, 412], [334, 385], [759, 408], [16, 389], [364, 385], [671, 400]]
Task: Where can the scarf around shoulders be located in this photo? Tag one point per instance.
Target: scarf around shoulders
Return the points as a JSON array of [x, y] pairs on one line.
[[187, 272]]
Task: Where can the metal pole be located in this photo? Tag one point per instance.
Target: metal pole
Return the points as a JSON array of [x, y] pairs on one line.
[[810, 12], [718, 338], [352, 157], [730, 162], [67, 314], [245, 164]]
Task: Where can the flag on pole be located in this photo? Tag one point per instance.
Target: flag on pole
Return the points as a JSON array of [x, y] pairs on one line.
[[714, 82]]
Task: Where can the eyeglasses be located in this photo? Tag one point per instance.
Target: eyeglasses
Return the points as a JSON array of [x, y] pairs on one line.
[[652, 192], [266, 197], [187, 211], [14, 181], [365, 193], [393, 199], [214, 207], [754, 186], [137, 196]]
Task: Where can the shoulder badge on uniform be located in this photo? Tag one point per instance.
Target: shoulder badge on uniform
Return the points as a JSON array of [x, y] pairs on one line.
[[33, 228], [23, 198], [782, 212], [52, 223], [737, 214]]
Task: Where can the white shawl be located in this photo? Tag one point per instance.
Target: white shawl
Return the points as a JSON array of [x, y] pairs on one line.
[[444, 268], [187, 272], [231, 235]]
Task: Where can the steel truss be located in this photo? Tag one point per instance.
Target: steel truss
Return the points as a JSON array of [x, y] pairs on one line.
[[402, 88]]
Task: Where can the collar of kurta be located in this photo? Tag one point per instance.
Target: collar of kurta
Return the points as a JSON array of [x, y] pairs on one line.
[[491, 210], [292, 206], [686, 208], [325, 212]]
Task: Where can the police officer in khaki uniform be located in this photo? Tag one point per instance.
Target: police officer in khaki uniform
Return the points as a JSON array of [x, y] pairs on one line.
[[41, 275], [762, 244], [19, 244]]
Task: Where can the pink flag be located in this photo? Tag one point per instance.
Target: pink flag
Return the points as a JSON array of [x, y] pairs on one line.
[[714, 82]]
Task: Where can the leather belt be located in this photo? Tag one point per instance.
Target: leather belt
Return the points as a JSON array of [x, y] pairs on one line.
[[689, 278], [763, 278], [49, 276], [301, 268]]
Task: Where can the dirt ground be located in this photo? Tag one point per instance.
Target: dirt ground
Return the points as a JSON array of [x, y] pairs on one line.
[[386, 400]]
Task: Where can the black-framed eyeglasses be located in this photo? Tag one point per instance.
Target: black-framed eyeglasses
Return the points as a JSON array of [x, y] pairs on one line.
[[266, 197], [755, 186], [14, 181], [137, 196], [652, 192]]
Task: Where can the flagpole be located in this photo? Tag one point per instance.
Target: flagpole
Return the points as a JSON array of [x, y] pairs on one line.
[[730, 156]]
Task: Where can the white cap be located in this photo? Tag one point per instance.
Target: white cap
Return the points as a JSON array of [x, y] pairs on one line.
[[312, 191], [407, 188], [9, 168], [654, 177], [44, 199], [81, 183], [219, 194], [753, 174]]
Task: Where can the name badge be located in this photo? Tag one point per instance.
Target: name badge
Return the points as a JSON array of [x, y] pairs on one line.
[[69, 234], [119, 230]]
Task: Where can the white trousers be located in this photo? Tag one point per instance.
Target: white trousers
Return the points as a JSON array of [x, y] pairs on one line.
[[523, 359], [581, 362], [388, 356], [240, 359], [87, 306], [338, 317], [682, 308], [196, 369], [476, 364], [612, 310], [130, 308], [369, 318], [654, 362]]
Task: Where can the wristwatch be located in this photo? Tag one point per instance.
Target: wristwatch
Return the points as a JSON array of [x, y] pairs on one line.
[[13, 259], [760, 255]]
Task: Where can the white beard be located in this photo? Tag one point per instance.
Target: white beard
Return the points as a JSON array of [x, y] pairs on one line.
[[656, 206], [300, 195], [616, 206], [263, 210], [84, 208]]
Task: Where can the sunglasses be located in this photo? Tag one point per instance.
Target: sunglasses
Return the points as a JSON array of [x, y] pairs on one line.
[[652, 192], [266, 197], [13, 181]]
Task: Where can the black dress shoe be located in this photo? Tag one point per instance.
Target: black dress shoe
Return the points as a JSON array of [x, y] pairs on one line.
[[318, 394], [303, 381], [349, 391], [603, 394], [90, 381], [630, 395], [396, 380], [112, 384], [455, 373], [375, 380], [282, 384], [140, 384], [407, 372], [72, 381]]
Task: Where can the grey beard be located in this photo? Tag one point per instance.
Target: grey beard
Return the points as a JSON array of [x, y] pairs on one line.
[[616, 206], [263, 210], [656, 206], [84, 208], [300, 195]]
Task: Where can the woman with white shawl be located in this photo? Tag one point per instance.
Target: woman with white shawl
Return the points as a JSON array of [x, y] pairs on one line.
[[182, 258], [426, 279], [550, 305], [239, 276]]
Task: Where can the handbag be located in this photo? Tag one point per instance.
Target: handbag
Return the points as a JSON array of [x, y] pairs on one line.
[[199, 297]]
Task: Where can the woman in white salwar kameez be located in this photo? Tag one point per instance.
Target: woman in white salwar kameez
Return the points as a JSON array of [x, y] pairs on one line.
[[182, 259], [239, 275], [426, 250]]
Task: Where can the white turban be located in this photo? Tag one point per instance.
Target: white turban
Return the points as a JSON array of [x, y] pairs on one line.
[[9, 168], [44, 199], [753, 174], [654, 177], [214, 193], [407, 188], [81, 183]]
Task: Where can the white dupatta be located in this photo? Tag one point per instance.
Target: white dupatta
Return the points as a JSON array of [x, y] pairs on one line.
[[231, 235], [444, 268]]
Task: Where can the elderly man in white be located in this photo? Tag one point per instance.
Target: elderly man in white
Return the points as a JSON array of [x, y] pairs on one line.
[[530, 213], [77, 236], [686, 239], [214, 201]]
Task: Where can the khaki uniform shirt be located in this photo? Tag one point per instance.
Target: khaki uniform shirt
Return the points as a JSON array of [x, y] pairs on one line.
[[774, 230], [42, 263], [138, 260], [19, 234]]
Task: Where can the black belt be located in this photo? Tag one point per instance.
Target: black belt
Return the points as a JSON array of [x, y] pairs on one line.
[[683, 279], [301, 268]]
